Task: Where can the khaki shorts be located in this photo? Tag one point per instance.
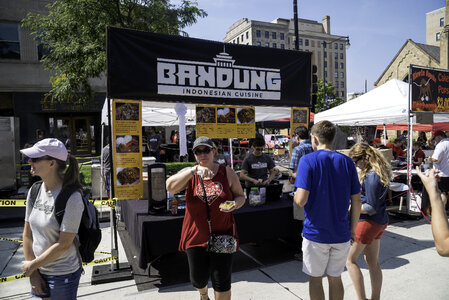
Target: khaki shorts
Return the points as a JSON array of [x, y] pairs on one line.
[[319, 259]]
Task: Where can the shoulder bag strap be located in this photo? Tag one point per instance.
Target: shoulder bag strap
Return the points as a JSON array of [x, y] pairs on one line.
[[207, 203]]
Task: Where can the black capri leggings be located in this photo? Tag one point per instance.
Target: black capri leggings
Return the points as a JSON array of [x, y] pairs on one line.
[[203, 264]]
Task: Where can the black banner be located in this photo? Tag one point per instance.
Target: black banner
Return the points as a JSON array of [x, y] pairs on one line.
[[430, 90], [158, 67]]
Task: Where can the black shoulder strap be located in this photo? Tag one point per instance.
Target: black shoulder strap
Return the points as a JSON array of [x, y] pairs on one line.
[[35, 188], [61, 201]]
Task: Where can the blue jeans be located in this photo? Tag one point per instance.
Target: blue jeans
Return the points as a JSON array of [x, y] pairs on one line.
[[64, 287]]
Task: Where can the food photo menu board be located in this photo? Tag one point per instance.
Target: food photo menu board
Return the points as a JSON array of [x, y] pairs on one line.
[[127, 149], [299, 117], [222, 122]]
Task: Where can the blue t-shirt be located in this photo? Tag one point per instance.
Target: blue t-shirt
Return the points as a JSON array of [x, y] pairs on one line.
[[331, 179]]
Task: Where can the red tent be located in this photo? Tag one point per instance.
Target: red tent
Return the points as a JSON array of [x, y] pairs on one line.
[[416, 127]]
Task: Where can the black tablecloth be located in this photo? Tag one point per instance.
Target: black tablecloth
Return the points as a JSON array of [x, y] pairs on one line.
[[157, 235]]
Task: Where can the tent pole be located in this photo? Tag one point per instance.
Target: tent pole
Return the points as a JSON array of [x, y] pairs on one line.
[[231, 153]]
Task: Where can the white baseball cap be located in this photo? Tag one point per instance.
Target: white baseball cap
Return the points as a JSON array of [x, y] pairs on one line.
[[51, 147]]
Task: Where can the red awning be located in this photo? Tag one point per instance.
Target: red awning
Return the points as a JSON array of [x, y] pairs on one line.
[[416, 127]]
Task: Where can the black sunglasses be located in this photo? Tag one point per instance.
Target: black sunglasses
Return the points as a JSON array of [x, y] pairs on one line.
[[206, 150], [36, 159]]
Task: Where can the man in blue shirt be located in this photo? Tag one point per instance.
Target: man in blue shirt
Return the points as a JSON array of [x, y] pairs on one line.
[[326, 187], [304, 147]]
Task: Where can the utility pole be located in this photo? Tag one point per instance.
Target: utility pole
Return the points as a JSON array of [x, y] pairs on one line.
[[295, 19]]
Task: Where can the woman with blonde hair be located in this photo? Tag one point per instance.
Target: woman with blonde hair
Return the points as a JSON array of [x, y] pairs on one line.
[[374, 176]]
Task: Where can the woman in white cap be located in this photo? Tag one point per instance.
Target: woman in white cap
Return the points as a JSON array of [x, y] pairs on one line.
[[51, 257], [221, 184]]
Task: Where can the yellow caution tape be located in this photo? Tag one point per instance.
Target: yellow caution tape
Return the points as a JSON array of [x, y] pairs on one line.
[[10, 240], [94, 262], [22, 202], [11, 278], [100, 261], [12, 202]]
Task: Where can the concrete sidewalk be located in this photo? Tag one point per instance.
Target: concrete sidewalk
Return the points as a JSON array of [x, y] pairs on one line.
[[412, 269]]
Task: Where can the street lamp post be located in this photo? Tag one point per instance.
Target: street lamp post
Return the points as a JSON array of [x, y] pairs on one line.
[[347, 44]]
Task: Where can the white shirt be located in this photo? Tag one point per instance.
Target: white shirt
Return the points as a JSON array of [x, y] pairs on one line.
[[441, 154]]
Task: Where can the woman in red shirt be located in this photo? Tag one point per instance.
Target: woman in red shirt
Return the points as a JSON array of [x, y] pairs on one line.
[[222, 184]]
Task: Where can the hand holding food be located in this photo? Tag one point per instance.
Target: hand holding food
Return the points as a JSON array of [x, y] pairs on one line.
[[227, 206]]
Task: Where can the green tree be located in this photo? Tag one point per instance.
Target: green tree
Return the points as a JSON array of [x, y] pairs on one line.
[[74, 35], [332, 100]]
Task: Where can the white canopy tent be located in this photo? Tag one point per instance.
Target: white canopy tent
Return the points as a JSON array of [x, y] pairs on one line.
[[386, 104]]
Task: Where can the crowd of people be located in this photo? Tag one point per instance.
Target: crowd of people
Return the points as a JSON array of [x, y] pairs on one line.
[[339, 202]]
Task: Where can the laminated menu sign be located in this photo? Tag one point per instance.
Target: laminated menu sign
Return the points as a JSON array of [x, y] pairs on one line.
[[299, 117], [225, 121], [127, 149]]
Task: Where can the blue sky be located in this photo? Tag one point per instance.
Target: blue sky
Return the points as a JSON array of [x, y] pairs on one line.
[[377, 28]]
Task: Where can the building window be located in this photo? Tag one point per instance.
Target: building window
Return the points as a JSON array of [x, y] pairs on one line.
[[441, 22], [336, 65], [325, 54], [335, 46], [336, 74], [247, 35], [267, 45], [313, 43], [241, 38], [325, 64], [258, 44], [342, 65], [274, 45], [267, 35], [9, 40], [237, 40], [342, 94], [325, 74], [342, 75], [341, 55], [341, 46], [300, 42], [336, 84], [281, 36], [438, 36], [336, 55], [273, 35], [307, 42], [257, 33], [282, 46], [324, 45], [342, 84]]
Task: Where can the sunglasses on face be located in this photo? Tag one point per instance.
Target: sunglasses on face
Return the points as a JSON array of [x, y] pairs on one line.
[[36, 159], [204, 150]]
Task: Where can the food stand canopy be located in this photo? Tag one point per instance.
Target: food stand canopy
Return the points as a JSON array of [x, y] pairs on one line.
[[386, 104]]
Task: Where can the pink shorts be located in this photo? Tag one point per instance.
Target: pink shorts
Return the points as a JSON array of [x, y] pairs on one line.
[[366, 232]]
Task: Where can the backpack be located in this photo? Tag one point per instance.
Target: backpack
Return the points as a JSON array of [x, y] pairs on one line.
[[89, 232]]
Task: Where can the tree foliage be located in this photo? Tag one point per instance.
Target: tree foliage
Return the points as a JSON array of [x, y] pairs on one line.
[[331, 99], [74, 35]]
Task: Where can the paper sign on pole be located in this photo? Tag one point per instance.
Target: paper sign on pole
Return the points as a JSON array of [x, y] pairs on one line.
[[127, 149]]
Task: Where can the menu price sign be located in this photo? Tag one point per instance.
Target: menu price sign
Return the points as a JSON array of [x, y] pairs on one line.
[[225, 121], [127, 149], [430, 90]]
